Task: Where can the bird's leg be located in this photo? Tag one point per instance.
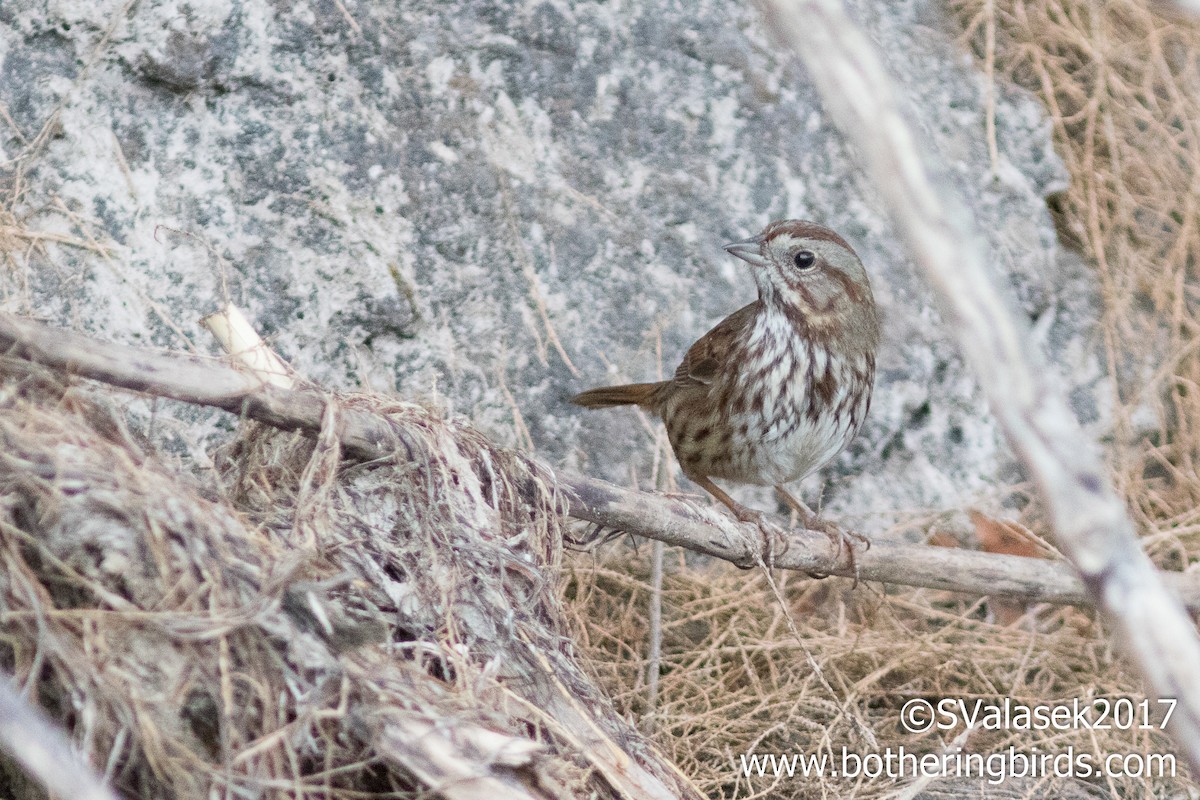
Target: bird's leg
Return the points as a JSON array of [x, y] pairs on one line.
[[808, 517], [772, 535], [740, 511], [839, 537]]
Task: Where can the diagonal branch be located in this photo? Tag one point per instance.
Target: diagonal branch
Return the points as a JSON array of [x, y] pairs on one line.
[[368, 436], [1088, 517], [43, 750]]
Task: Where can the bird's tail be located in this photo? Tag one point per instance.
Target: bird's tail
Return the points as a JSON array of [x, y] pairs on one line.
[[631, 394]]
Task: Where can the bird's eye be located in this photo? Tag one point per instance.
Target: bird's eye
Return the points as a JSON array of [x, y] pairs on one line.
[[805, 259]]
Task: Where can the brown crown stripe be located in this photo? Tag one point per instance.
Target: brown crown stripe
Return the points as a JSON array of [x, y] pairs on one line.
[[803, 229]]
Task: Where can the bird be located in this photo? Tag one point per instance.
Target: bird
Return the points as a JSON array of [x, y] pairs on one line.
[[782, 385]]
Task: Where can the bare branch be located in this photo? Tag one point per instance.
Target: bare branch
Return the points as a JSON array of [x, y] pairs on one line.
[[702, 529], [43, 750], [238, 338], [1088, 517]]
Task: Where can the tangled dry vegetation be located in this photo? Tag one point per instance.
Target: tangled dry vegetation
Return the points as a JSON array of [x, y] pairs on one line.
[[299, 626]]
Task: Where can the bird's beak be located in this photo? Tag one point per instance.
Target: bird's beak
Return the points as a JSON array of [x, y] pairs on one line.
[[749, 251]]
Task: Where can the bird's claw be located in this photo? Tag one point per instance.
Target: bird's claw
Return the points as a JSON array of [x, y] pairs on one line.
[[774, 538], [843, 540]]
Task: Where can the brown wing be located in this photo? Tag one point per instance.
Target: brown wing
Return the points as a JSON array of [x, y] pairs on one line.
[[705, 357]]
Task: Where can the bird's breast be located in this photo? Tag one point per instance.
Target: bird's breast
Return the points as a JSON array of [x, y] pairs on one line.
[[781, 408]]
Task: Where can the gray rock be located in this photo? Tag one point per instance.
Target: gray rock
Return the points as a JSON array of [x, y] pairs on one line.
[[493, 206]]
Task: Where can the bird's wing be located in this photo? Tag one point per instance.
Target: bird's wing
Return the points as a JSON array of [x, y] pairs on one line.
[[705, 357]]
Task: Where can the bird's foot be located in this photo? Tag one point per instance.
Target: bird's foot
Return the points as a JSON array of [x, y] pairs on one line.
[[774, 538], [843, 541]]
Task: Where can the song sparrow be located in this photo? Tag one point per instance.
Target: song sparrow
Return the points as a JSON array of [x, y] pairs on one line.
[[779, 387]]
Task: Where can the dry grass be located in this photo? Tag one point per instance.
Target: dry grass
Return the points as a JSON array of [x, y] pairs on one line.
[[734, 680], [1123, 93]]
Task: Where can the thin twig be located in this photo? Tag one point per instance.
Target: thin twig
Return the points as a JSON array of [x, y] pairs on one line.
[[654, 656], [989, 83]]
